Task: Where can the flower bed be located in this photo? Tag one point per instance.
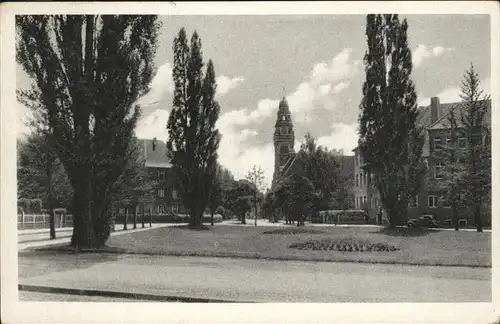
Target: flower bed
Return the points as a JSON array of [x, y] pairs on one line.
[[344, 245]]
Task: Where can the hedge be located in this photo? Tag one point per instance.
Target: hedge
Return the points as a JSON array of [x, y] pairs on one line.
[[350, 216], [166, 218]]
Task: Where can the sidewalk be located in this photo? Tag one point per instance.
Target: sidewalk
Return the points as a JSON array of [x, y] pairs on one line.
[[39, 238], [281, 223]]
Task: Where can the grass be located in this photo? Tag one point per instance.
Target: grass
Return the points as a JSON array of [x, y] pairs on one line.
[[447, 248]]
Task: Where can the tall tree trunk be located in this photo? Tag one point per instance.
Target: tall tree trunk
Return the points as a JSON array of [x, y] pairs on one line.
[[454, 215], [135, 217], [83, 231], [211, 217], [392, 216], [50, 199], [477, 217], [255, 211], [125, 219], [150, 218], [243, 218], [142, 215]]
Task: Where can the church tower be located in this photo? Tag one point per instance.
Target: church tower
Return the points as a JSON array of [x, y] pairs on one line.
[[284, 139]]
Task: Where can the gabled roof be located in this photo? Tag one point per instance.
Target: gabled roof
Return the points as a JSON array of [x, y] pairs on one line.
[[442, 122], [157, 157]]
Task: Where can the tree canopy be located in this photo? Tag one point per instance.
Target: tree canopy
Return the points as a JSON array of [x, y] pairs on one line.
[[193, 137], [87, 73], [390, 142]]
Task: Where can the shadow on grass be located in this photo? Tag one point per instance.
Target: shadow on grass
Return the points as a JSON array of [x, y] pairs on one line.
[[403, 231]]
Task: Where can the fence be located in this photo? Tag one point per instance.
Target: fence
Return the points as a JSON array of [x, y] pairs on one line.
[[33, 221]]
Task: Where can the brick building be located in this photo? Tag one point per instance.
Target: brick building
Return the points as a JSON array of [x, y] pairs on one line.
[[437, 136], [156, 160]]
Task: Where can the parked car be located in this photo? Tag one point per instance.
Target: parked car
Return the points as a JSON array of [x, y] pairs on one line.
[[423, 221]]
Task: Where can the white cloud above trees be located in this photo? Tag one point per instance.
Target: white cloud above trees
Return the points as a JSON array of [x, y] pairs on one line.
[[423, 52]]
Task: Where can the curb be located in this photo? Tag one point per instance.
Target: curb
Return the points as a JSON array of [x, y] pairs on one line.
[[120, 251], [118, 294]]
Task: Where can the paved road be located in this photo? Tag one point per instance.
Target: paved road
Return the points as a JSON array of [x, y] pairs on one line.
[[255, 280], [34, 296]]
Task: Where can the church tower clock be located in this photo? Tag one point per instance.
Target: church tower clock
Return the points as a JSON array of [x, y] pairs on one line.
[[284, 139]]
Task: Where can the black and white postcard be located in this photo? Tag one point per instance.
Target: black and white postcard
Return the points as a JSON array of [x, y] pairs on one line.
[[228, 162]]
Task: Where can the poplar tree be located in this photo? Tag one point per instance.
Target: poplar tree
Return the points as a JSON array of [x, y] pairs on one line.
[[390, 141], [87, 72], [193, 139]]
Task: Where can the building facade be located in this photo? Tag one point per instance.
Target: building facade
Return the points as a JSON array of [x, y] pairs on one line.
[[434, 118], [159, 166]]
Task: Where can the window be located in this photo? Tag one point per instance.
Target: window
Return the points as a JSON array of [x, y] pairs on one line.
[[366, 178], [462, 143], [413, 203], [161, 209], [448, 142], [438, 168], [357, 180], [444, 202], [364, 200], [360, 179], [161, 174], [161, 192], [175, 208], [437, 143], [356, 203], [432, 201]]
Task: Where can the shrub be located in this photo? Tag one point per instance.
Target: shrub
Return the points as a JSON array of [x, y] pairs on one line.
[[30, 206], [222, 211], [350, 216]]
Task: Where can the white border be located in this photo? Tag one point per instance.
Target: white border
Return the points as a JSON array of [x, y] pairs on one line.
[[18, 312]]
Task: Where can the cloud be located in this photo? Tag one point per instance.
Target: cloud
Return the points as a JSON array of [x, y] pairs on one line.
[[318, 91], [342, 137], [225, 84], [153, 125], [162, 83], [24, 114], [247, 133], [338, 68], [422, 52], [244, 116], [237, 156], [326, 80], [452, 94], [340, 87]]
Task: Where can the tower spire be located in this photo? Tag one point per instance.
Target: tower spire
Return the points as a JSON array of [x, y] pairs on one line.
[[283, 88]]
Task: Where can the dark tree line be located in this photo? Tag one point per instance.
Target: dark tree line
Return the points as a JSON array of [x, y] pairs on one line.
[[315, 182]]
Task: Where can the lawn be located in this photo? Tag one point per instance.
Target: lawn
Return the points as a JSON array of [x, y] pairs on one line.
[[414, 247]]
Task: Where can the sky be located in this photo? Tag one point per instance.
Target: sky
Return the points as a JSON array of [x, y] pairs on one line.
[[315, 61]]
